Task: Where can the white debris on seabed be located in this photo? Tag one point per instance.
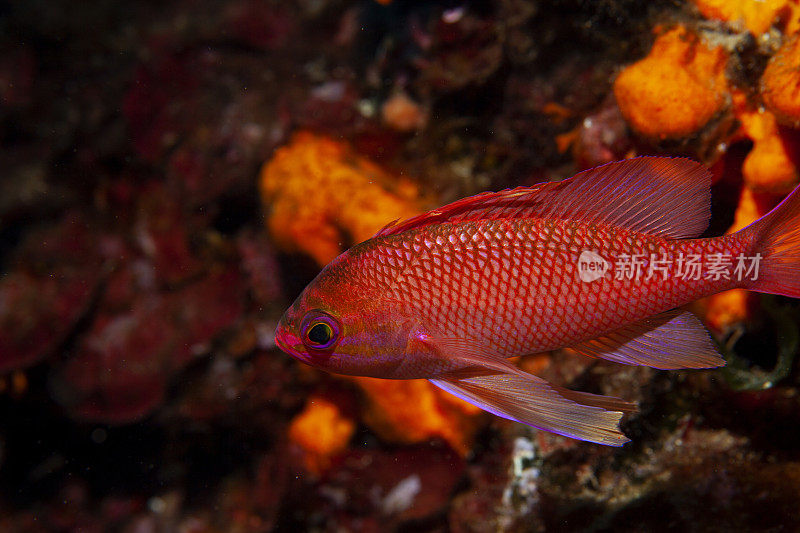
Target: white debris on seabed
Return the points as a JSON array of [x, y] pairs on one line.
[[521, 495], [401, 497]]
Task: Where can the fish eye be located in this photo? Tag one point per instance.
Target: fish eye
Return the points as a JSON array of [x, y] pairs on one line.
[[320, 331]]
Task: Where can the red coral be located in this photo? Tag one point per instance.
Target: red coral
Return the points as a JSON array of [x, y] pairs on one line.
[[259, 24], [162, 233], [36, 314], [159, 104], [411, 483], [126, 360], [41, 302], [261, 268]]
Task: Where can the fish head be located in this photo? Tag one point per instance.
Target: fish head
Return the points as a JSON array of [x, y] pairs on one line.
[[341, 325]]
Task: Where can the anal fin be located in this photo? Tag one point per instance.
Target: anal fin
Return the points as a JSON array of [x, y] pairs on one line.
[[609, 403], [533, 401], [668, 341]]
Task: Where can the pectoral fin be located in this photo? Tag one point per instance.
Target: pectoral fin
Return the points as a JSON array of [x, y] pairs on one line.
[[672, 340], [533, 401], [473, 356]]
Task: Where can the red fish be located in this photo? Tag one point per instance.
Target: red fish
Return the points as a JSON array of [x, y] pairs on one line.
[[600, 262]]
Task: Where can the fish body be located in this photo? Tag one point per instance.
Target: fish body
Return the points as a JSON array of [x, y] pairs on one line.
[[514, 284], [600, 263]]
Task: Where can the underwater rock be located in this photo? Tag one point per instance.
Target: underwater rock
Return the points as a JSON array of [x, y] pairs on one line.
[[250, 503], [600, 138], [503, 494], [37, 313], [259, 264], [252, 398], [394, 487], [157, 106], [162, 235], [760, 353], [206, 116], [57, 272], [260, 25], [677, 89], [463, 50], [402, 113], [124, 362], [691, 474], [333, 108], [699, 479]]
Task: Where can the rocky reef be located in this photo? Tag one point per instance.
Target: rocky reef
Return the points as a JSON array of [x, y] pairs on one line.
[[175, 173]]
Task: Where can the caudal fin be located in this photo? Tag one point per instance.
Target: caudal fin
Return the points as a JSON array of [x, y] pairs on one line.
[[777, 239]]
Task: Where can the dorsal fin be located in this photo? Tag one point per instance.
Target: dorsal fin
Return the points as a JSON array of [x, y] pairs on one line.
[[669, 197]]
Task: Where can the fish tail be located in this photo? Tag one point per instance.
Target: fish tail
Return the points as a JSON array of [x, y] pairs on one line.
[[777, 247]]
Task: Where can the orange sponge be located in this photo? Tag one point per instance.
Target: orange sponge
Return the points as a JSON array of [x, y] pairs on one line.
[[320, 195], [726, 309], [768, 167], [409, 411], [676, 89], [322, 432], [780, 83], [756, 16]]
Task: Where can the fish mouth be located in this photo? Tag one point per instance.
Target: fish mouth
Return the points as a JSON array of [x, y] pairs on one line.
[[290, 343]]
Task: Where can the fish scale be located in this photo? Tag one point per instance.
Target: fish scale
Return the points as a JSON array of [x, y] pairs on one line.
[[450, 294], [500, 281]]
